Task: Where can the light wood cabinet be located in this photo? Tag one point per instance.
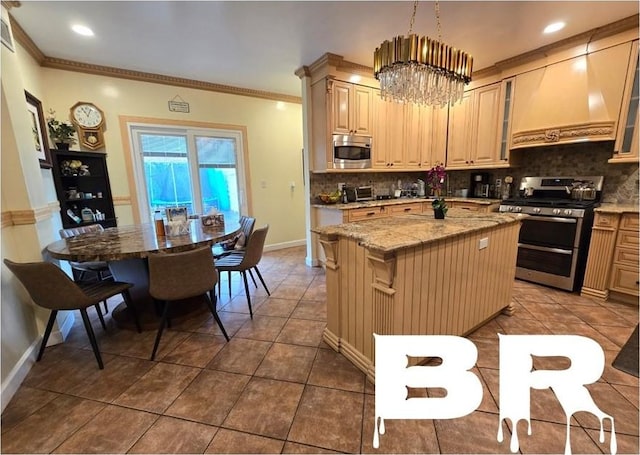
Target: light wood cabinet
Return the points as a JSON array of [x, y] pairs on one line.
[[341, 108], [626, 146], [351, 107], [474, 207], [574, 100], [407, 136], [476, 128], [612, 266]]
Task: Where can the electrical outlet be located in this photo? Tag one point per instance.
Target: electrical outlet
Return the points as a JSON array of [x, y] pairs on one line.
[[498, 183], [483, 243], [341, 185]]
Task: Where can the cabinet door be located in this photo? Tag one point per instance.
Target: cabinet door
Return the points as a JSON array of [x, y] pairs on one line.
[[416, 132], [380, 143], [395, 135], [626, 146], [437, 153], [460, 132], [341, 93], [486, 128], [361, 105]]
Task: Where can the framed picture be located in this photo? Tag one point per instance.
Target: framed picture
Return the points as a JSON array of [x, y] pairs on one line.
[[177, 214], [36, 121]]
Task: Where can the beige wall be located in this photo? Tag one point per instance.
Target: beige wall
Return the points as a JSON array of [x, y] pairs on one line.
[[274, 139]]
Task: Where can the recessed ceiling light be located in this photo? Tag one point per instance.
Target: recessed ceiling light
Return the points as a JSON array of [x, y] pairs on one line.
[[554, 27], [82, 30]]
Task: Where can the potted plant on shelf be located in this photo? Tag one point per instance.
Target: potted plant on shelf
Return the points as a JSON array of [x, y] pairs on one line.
[[60, 132], [435, 178]]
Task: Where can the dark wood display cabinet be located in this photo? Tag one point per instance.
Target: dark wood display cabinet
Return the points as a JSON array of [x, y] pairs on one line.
[[83, 189]]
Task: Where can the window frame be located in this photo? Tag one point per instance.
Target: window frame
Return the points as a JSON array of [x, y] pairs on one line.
[[137, 182]]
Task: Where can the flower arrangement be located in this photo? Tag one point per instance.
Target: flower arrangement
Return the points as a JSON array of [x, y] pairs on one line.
[[435, 179], [60, 132]]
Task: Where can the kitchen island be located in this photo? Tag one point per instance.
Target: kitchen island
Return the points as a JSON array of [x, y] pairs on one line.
[[415, 275]]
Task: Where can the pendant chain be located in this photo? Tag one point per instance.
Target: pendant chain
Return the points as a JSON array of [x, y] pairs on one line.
[[439, 29], [413, 19]]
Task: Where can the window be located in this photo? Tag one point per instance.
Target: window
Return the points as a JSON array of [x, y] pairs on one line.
[[201, 169]]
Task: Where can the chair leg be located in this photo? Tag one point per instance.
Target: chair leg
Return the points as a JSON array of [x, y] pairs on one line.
[[99, 311], [47, 332], [211, 303], [163, 322], [253, 279], [129, 303], [246, 291], [92, 337], [106, 307], [229, 280], [262, 280]]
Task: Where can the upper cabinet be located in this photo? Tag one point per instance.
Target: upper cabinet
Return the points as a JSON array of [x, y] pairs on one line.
[[351, 106], [338, 108], [574, 100], [626, 146], [407, 136], [478, 126]]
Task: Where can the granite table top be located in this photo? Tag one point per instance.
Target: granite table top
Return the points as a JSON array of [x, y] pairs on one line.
[[608, 207], [405, 231], [136, 241], [384, 202]]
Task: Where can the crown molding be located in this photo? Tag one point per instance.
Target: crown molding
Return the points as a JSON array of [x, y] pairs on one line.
[[8, 4], [69, 65]]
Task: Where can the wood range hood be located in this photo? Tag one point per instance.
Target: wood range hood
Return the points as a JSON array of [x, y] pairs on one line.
[[572, 101]]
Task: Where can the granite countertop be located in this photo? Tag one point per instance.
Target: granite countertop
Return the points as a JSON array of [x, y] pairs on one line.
[[366, 204], [608, 207], [405, 231], [136, 241]]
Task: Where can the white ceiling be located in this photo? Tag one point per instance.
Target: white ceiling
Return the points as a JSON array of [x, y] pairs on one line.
[[259, 45]]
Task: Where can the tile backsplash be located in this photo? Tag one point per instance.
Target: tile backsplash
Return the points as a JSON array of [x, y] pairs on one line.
[[620, 180]]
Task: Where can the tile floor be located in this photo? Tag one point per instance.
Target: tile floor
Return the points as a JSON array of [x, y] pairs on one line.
[[277, 388]]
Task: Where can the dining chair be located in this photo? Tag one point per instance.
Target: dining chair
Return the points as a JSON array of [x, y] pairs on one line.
[[80, 269], [51, 288], [246, 261], [179, 276], [246, 228]]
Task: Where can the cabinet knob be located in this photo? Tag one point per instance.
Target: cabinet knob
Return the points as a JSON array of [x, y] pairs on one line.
[[391, 164], [471, 161], [467, 162]]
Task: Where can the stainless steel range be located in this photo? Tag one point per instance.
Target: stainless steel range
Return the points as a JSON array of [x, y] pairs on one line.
[[554, 241]]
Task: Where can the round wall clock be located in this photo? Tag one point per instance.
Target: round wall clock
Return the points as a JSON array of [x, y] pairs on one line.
[[89, 120]]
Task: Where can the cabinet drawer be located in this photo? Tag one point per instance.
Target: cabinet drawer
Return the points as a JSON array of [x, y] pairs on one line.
[[366, 213], [626, 256], [605, 220], [415, 207], [627, 239], [466, 206], [624, 279], [630, 222]]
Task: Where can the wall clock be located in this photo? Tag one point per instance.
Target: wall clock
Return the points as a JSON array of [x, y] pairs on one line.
[[89, 120]]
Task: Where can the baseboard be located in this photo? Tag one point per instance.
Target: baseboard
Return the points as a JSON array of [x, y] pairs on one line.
[[283, 245], [60, 333], [312, 262], [17, 374]]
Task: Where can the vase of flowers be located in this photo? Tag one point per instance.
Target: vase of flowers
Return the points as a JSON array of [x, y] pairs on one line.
[[61, 133], [435, 178]]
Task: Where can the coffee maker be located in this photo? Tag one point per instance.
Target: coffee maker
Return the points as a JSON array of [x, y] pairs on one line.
[[480, 184]]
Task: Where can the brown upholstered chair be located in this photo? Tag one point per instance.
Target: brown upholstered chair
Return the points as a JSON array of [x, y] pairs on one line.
[[51, 288], [178, 276], [82, 269], [246, 261], [246, 228]]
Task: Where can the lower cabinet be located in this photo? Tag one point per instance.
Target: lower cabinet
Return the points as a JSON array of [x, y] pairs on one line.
[[474, 207], [612, 266]]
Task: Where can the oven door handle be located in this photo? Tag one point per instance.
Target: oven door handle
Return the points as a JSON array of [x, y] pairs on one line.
[[554, 219], [544, 248]]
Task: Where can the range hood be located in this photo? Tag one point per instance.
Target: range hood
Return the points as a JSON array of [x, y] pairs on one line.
[[576, 100]]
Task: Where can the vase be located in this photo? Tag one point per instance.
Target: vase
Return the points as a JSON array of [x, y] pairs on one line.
[[62, 146], [438, 214]]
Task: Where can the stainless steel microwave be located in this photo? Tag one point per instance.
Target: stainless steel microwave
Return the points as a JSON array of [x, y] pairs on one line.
[[351, 151]]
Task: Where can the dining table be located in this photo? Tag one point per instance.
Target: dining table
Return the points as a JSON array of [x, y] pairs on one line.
[[126, 248]]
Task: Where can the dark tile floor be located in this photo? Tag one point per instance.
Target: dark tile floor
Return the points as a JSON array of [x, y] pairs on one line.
[[277, 388]]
